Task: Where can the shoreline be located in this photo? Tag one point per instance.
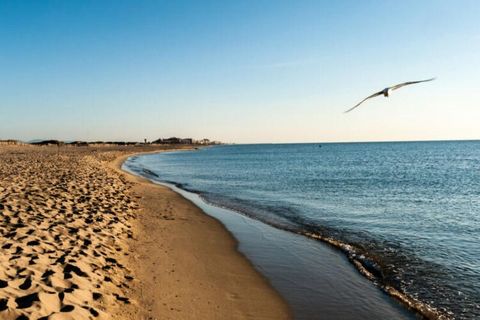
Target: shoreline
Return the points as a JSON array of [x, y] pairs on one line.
[[154, 251], [390, 300], [226, 287], [76, 244], [362, 264]]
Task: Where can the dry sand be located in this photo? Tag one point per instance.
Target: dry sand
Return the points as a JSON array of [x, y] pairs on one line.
[[80, 239]]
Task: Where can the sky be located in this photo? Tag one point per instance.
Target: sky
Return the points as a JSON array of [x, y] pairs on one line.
[[239, 71]]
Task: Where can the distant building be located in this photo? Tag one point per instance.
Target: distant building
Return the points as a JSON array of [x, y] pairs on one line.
[[174, 140], [204, 141]]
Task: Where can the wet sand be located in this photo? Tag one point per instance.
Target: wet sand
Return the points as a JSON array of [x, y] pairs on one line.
[[82, 240]]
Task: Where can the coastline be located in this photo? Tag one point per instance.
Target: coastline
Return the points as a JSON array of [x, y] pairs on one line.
[[269, 256], [126, 247], [175, 171], [187, 263], [76, 244]]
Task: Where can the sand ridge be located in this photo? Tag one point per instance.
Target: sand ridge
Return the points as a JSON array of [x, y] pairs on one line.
[[63, 226]]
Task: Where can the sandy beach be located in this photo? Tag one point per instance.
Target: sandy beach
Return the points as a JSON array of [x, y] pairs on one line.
[[81, 239]]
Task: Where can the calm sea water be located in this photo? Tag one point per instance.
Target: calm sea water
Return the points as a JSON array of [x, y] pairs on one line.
[[410, 211]]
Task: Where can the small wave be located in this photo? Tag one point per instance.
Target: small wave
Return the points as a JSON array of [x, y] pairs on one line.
[[373, 271]]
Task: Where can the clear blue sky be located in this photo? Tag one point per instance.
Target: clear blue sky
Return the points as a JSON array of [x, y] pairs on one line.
[[238, 71]]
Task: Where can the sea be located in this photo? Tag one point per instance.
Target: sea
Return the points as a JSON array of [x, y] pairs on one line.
[[405, 214]]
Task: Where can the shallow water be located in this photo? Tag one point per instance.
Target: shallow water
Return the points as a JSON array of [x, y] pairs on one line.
[[409, 210]]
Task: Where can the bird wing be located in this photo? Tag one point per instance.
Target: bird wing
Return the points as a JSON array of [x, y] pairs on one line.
[[398, 86], [373, 95]]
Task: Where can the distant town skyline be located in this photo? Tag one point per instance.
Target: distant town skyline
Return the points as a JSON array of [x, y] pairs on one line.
[[242, 72]]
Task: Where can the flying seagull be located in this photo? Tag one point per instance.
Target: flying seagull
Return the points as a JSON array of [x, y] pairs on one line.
[[386, 91]]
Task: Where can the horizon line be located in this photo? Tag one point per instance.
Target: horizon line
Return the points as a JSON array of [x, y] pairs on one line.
[[251, 143]]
